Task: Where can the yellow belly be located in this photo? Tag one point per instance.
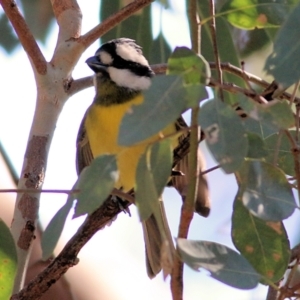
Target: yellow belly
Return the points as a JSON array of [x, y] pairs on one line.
[[102, 125]]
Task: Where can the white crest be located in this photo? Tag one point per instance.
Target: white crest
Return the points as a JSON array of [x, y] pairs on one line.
[[125, 78], [128, 52]]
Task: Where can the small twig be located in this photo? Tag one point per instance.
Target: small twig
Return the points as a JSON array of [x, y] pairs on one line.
[[296, 153], [187, 210], [276, 152], [79, 85], [297, 117], [25, 36], [215, 45], [294, 93], [112, 21], [210, 169]]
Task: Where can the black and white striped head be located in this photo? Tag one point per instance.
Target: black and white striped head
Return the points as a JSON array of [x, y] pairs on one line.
[[123, 61]]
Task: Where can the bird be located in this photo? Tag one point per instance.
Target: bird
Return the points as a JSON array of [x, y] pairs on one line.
[[122, 74]]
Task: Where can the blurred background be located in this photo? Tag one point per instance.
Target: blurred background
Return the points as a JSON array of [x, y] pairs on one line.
[[112, 263]]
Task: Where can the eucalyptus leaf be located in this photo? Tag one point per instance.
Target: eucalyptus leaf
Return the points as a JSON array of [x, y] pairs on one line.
[[225, 134], [95, 184], [265, 191], [224, 264], [8, 261], [146, 197], [54, 229], [161, 160], [280, 152], [137, 27], [250, 14], [284, 62], [257, 147], [265, 244], [194, 68], [163, 104]]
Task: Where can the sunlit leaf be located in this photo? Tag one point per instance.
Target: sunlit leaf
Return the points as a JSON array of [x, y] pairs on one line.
[[224, 264], [192, 67], [265, 191], [8, 261], [224, 133], [95, 184], [264, 243], [284, 62], [54, 229], [250, 14]]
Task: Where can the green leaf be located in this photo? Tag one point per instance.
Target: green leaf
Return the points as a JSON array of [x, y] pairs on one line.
[[282, 149], [264, 244], [160, 50], [152, 175], [223, 263], [161, 161], [272, 117], [265, 191], [257, 147], [95, 184], [226, 47], [8, 39], [284, 62], [192, 67], [163, 104], [39, 16], [8, 262], [250, 14], [225, 134], [137, 27], [146, 197], [54, 229]]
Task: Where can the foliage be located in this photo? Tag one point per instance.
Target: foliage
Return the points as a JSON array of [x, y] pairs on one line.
[[253, 136]]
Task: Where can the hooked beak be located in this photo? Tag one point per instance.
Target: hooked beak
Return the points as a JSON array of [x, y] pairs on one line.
[[96, 65]]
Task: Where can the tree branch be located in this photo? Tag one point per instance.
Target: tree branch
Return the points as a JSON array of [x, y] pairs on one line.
[[112, 21], [26, 38], [68, 256], [187, 210], [213, 34]]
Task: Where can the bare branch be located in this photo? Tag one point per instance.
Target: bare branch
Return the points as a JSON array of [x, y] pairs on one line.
[[26, 38], [78, 85], [112, 21], [68, 256], [187, 209], [215, 45]]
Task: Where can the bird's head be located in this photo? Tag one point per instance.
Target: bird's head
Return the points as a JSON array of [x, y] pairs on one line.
[[122, 61]]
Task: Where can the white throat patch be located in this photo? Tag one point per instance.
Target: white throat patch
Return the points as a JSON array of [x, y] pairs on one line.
[[125, 78]]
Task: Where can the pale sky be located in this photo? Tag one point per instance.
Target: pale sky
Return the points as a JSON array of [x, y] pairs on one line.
[[118, 249]]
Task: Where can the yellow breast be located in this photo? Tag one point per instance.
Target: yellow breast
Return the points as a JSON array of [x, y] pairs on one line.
[[102, 125]]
